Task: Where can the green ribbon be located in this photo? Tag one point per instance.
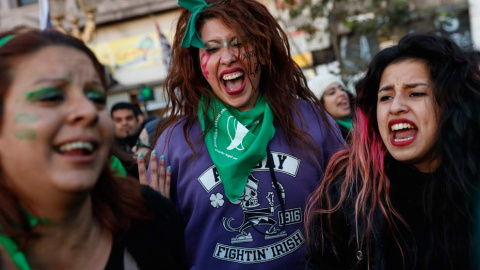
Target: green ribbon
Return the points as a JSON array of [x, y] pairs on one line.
[[11, 246], [237, 141], [191, 37], [14, 252], [117, 167], [5, 39]]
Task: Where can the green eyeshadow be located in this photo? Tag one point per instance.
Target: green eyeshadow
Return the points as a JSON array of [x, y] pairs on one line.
[[43, 94]]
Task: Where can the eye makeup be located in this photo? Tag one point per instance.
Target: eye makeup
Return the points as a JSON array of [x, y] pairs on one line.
[[97, 96], [214, 45], [44, 94]]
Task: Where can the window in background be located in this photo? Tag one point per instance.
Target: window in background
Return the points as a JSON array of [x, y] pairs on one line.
[[26, 2]]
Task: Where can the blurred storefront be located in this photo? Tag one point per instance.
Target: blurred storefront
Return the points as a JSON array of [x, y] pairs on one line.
[[126, 40]]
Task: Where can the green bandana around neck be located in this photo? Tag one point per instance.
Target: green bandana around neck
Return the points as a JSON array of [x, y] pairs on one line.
[[237, 141], [345, 122], [12, 248], [191, 37]]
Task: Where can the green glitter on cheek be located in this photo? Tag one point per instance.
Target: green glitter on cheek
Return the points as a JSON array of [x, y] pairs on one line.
[[25, 134], [43, 94], [26, 118]]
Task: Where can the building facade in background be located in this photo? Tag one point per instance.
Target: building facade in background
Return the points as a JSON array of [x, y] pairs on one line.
[[126, 41], [351, 32]]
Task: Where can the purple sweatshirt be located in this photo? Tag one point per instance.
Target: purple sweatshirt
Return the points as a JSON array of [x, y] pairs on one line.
[[253, 232]]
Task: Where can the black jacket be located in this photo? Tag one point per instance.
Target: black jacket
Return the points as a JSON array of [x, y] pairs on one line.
[[349, 254], [156, 243], [419, 241]]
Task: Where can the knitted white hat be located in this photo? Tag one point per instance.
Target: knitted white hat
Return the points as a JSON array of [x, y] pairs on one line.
[[321, 82]]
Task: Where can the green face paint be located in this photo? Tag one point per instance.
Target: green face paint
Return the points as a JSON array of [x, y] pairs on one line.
[[25, 134], [97, 96], [26, 118], [55, 93], [44, 94]]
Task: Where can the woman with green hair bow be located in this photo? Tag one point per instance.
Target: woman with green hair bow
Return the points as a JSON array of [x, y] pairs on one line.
[[246, 141]]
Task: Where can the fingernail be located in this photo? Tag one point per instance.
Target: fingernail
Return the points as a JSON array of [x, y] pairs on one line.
[[140, 156], [154, 153], [163, 158], [169, 169]]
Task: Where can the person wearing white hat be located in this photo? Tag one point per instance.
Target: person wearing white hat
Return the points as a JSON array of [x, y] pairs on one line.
[[331, 91]]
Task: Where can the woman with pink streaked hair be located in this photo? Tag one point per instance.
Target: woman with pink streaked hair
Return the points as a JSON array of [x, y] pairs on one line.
[[404, 195]]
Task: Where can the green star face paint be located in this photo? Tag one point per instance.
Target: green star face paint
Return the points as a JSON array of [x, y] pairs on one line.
[[26, 118], [25, 134], [44, 94]]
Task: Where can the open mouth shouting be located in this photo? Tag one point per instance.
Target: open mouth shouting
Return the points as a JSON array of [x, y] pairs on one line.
[[402, 132], [233, 81], [344, 104]]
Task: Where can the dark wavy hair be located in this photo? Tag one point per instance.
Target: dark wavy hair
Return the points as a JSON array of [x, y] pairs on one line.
[[366, 186], [282, 81], [116, 201]]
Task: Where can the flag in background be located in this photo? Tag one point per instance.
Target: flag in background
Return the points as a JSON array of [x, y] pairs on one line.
[[165, 46], [44, 15]]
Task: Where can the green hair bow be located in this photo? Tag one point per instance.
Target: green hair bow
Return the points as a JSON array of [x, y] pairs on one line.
[[5, 39], [191, 37]]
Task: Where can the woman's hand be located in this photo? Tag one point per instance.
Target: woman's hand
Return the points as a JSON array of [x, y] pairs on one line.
[[159, 175]]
